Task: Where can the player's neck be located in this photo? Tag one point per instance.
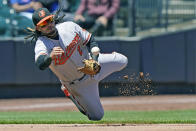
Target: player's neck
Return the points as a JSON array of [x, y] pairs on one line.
[[57, 37], [54, 35]]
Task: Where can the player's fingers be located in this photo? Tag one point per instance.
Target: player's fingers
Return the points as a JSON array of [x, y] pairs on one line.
[[57, 48], [58, 52]]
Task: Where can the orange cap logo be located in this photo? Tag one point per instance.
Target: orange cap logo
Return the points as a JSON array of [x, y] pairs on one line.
[[42, 13]]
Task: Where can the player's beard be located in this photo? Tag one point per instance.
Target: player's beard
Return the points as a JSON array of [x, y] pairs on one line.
[[52, 34]]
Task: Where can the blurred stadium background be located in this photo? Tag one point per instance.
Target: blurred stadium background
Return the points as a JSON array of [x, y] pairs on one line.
[[157, 36]]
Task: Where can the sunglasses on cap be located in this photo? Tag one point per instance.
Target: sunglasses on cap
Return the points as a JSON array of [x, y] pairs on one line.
[[46, 22]]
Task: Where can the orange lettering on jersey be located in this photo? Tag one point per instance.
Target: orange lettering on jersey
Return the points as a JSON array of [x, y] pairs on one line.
[[60, 60], [79, 50]]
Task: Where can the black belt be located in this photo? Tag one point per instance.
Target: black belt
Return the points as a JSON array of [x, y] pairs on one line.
[[73, 82]]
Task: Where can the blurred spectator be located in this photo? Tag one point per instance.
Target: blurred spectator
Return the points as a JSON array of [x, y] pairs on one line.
[[98, 16], [12, 24], [25, 7], [69, 7], [73, 5], [65, 9], [51, 5]]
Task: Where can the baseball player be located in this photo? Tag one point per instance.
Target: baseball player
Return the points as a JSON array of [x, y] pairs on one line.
[[74, 57]]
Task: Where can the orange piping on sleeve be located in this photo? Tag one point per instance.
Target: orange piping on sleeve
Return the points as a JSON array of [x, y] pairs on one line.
[[89, 35]]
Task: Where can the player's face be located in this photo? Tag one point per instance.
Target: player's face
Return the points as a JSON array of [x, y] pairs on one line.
[[47, 26]]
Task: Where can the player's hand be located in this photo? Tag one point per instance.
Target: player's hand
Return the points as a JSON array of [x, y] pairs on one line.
[[103, 20], [56, 51], [79, 17]]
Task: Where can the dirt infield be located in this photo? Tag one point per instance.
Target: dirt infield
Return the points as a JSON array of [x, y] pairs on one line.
[[92, 127], [165, 102]]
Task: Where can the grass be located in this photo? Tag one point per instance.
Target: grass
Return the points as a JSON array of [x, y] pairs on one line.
[[110, 117]]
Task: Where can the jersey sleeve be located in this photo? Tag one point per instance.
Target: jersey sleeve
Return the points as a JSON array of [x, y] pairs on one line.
[[40, 49], [84, 34]]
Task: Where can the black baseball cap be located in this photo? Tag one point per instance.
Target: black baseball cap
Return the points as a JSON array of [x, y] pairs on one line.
[[40, 15]]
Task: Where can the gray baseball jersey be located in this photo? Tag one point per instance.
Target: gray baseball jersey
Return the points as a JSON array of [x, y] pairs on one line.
[[84, 88], [72, 40]]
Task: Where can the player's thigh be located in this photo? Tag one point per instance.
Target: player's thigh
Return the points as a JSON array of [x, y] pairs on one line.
[[111, 63]]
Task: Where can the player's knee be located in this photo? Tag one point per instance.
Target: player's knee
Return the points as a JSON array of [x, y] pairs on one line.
[[125, 61], [96, 117], [122, 60]]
